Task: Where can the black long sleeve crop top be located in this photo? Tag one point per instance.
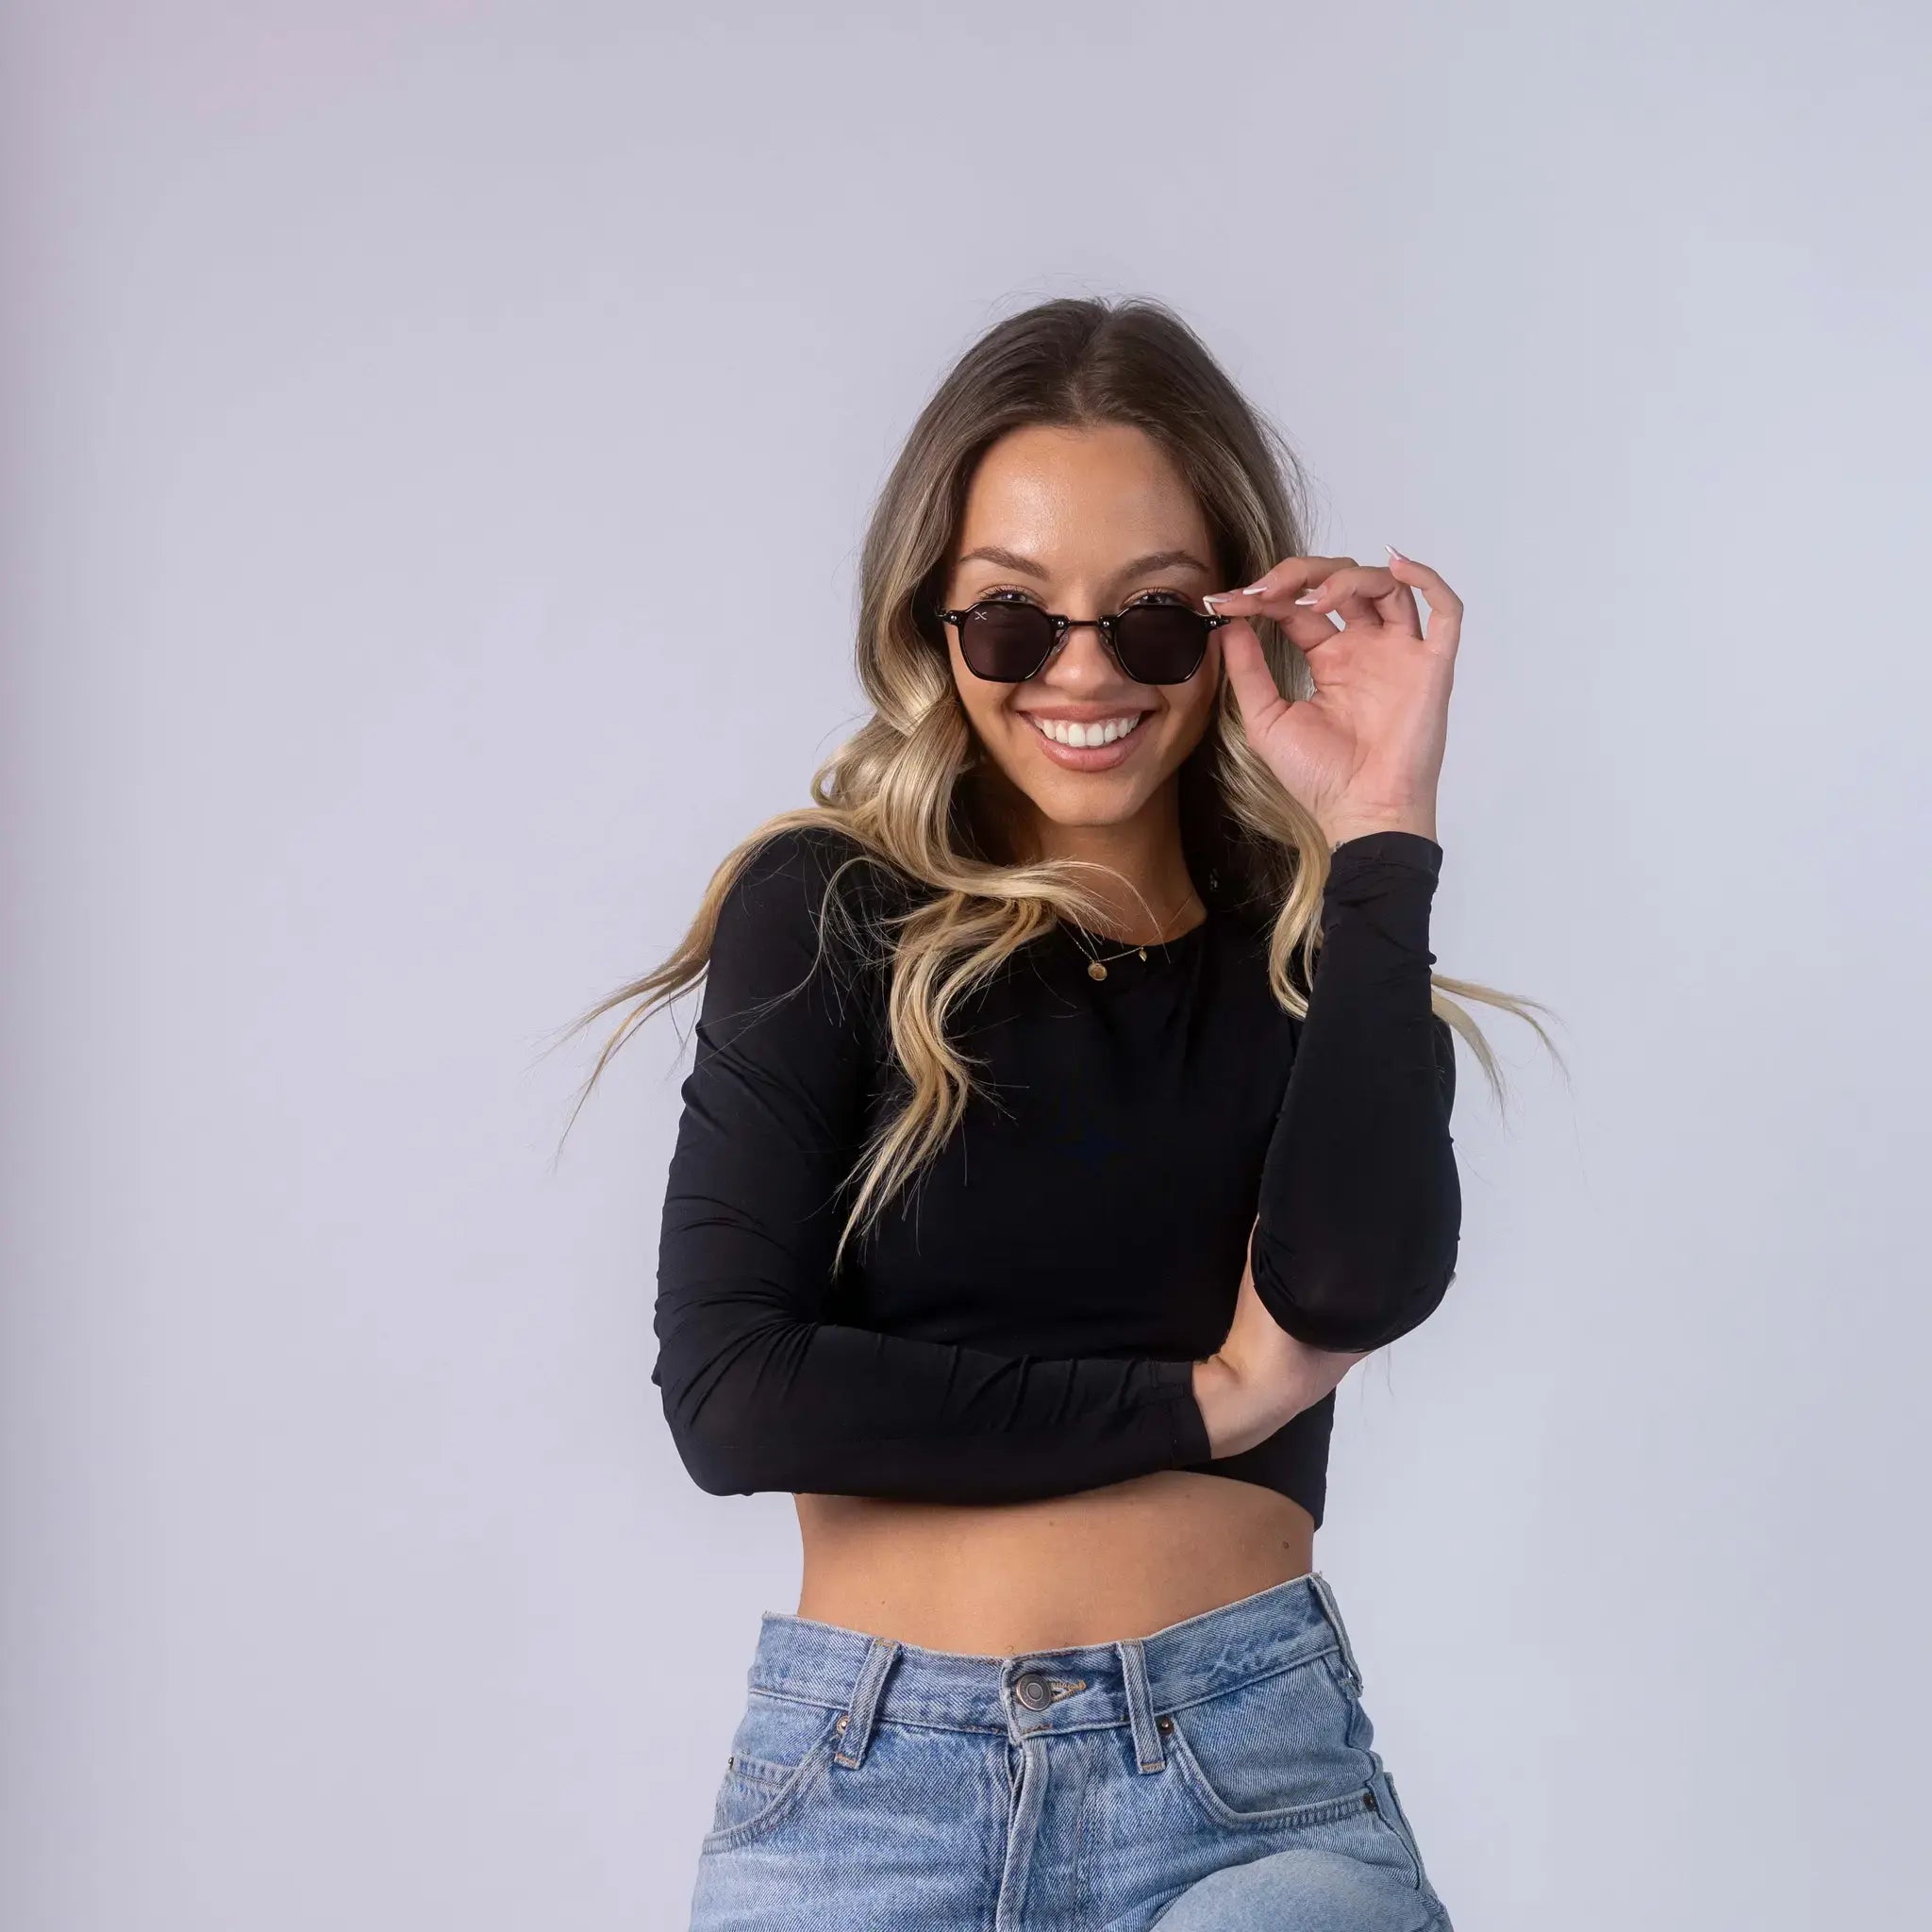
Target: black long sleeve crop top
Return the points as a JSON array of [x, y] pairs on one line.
[[1024, 1320]]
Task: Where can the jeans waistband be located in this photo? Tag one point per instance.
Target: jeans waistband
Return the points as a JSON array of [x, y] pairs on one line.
[[1133, 1681]]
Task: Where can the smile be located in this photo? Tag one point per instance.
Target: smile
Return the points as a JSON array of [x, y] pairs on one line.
[[1102, 732]]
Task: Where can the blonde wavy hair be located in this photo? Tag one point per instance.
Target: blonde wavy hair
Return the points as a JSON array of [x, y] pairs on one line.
[[905, 784]]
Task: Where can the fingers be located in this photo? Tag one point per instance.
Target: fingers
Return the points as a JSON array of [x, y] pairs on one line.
[[1274, 594], [1326, 587], [1289, 578], [1445, 606], [1362, 595], [1246, 665], [1305, 594], [1397, 606]]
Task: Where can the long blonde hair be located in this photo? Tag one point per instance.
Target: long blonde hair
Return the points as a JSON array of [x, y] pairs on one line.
[[902, 785]]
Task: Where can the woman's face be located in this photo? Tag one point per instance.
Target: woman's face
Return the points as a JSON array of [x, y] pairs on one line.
[[1083, 522]]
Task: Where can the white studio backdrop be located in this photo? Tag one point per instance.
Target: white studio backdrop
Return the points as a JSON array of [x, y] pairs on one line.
[[437, 443]]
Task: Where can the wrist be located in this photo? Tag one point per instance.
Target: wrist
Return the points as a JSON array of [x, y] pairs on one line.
[[1419, 819], [1237, 1413]]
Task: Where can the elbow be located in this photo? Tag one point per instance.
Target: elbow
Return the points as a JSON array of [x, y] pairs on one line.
[[1358, 1268], [718, 1468], [725, 1456], [716, 1380], [1354, 1302], [726, 1448]]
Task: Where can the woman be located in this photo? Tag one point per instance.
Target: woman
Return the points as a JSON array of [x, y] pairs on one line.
[[1034, 1190]]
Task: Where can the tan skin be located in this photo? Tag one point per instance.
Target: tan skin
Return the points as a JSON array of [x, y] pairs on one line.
[[1084, 521]]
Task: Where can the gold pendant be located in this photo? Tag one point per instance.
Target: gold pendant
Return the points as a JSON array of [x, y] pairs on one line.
[[1096, 971]]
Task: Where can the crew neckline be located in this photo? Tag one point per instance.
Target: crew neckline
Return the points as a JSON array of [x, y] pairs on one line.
[[1110, 942]]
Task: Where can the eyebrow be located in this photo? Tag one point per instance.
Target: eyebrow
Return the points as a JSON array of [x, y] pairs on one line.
[[1011, 559]]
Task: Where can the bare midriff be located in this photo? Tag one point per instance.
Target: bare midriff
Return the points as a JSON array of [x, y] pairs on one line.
[[1000, 1579]]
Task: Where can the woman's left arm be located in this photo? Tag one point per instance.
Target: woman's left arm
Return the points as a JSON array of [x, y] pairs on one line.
[[1361, 1204], [1360, 1208]]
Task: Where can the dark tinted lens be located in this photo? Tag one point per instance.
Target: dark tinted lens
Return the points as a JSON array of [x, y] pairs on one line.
[[1006, 641], [1160, 643]]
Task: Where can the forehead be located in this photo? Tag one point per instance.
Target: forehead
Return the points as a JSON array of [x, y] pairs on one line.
[[1070, 496]]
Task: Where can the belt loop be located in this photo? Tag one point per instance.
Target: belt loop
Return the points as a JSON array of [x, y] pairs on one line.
[[856, 1724], [1332, 1610], [1147, 1750]]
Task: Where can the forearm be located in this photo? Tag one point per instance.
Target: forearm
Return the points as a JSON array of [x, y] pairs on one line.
[[1360, 1203], [800, 1406], [1247, 1393]]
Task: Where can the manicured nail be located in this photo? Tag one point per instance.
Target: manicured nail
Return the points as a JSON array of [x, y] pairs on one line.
[[1313, 597], [1396, 556], [1209, 601], [1256, 590]]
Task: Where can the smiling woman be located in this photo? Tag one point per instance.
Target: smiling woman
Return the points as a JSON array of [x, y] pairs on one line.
[[1071, 1111], [1091, 522]]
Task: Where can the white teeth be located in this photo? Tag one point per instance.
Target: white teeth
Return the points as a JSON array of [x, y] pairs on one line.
[[1104, 732]]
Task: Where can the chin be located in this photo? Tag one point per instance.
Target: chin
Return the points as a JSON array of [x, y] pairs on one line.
[[1084, 803]]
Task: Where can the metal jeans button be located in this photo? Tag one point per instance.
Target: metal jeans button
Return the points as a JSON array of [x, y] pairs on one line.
[[1032, 1691]]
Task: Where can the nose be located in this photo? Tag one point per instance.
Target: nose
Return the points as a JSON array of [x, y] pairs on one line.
[[1082, 662]]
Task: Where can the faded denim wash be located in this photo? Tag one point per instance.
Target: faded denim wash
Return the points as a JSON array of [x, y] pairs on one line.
[[1218, 1776]]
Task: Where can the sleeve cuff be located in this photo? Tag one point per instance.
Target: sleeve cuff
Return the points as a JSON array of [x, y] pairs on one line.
[[1175, 1380], [1388, 849]]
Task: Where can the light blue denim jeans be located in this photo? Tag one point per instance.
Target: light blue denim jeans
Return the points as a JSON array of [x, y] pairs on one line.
[[1218, 1776]]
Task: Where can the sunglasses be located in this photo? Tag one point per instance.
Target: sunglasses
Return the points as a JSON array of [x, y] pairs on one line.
[[1009, 642]]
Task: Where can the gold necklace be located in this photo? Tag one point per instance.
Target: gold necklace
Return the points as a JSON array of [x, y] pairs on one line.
[[1096, 967]]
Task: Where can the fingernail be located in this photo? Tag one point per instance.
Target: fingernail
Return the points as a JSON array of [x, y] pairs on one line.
[[1313, 597], [1256, 590], [1397, 555]]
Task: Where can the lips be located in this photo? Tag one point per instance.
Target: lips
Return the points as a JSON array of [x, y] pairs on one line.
[[1086, 733], [1088, 757]]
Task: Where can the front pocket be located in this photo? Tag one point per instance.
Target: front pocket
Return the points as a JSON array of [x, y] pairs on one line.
[[1275, 1752], [779, 1747]]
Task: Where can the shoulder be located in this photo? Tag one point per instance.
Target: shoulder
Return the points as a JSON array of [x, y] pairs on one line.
[[803, 924], [799, 877]]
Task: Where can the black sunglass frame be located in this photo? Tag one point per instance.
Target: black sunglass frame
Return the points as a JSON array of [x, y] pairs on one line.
[[1211, 620]]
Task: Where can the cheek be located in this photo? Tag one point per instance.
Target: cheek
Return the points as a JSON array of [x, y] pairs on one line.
[[986, 718], [979, 700], [1192, 705]]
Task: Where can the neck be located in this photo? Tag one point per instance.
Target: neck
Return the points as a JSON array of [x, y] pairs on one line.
[[1155, 898]]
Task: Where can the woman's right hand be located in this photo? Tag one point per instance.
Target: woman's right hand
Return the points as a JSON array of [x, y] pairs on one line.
[[1260, 1378]]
